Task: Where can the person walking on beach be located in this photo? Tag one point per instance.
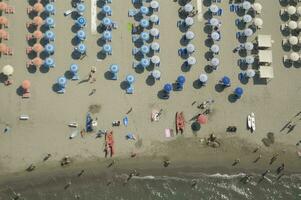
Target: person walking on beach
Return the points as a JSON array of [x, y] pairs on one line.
[[91, 78], [265, 173], [256, 149], [274, 158], [92, 92], [166, 163], [280, 169], [257, 158], [236, 161], [81, 172], [47, 157]]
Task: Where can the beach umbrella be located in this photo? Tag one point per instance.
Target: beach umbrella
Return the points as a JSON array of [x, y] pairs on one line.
[[81, 21], [38, 7], [38, 20], [130, 79], [74, 68], [8, 70], [292, 25], [49, 21], [106, 9], [49, 48], [3, 33], [257, 7], [293, 40], [238, 91], [81, 34], [144, 49], [189, 35], [191, 60], [38, 47], [258, 21], [214, 48], [214, 21], [3, 20], [167, 87], [215, 35], [190, 48], [3, 47], [62, 81], [49, 8], [248, 32], [291, 10], [299, 10], [249, 46], [155, 46], [37, 61], [189, 21], [155, 59], [81, 48], [181, 79], [226, 81], [80, 7], [3, 6], [202, 119], [37, 34], [249, 59], [50, 35], [106, 21], [144, 23], [156, 74], [215, 61], [247, 18], [213, 8], [145, 62], [154, 32], [107, 35], [203, 78], [250, 73], [154, 18], [114, 68], [154, 4], [26, 84], [188, 7], [49, 62], [294, 56], [144, 10], [144, 36], [246, 5], [107, 48]]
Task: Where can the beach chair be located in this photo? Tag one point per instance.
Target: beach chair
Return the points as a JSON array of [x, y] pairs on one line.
[[284, 42], [135, 64], [130, 90], [220, 11], [135, 37], [6, 37], [283, 27], [182, 52], [180, 23], [237, 22], [132, 12], [9, 52], [232, 8], [28, 50], [114, 25], [165, 95], [286, 59], [29, 10], [135, 50], [178, 86], [26, 94], [61, 90], [238, 35], [10, 10], [29, 63], [114, 76], [241, 62], [236, 8], [282, 11]]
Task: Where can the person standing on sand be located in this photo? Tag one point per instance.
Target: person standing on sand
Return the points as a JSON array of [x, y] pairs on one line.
[[265, 173], [166, 163], [274, 158], [236, 161], [256, 149], [91, 78], [257, 158], [81, 172]]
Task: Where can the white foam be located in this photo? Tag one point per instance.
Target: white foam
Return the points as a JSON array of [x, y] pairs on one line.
[[226, 176]]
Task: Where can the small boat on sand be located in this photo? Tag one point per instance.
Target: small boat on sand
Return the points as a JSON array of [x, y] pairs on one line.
[[180, 122], [249, 120], [253, 127], [109, 144]]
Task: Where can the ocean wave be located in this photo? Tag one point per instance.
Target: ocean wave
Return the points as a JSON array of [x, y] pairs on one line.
[[225, 176]]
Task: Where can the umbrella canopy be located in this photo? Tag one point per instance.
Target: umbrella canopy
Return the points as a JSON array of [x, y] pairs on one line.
[[26, 84], [81, 21], [50, 35], [38, 47], [62, 81], [3, 20], [81, 48], [238, 91], [74, 68], [246, 5], [145, 62], [155, 59], [114, 68], [38, 20], [49, 62], [257, 7], [154, 4], [144, 10], [292, 25], [155, 46], [156, 74], [191, 60], [80, 7], [293, 40], [247, 18], [214, 48], [37, 34], [107, 21], [188, 7], [3, 6], [38, 7], [189, 35], [215, 35], [8, 70], [249, 46], [248, 32], [107, 35], [49, 21], [130, 78], [181, 79], [37, 61], [3, 47], [213, 8], [215, 61], [81, 34], [250, 73], [49, 8], [189, 21], [107, 48], [167, 87], [226, 81], [202, 119], [154, 32], [3, 33], [145, 49], [258, 22], [49, 48], [144, 23], [249, 59], [154, 18], [291, 10], [203, 78], [190, 48], [144, 36], [294, 56], [214, 21]]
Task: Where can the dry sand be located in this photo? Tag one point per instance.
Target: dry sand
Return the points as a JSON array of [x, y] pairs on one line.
[[29, 141]]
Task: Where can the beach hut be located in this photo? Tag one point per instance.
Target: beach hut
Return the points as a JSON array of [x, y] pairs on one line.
[[203, 78], [8, 70], [202, 119], [81, 21], [294, 56], [74, 71], [3, 6], [38, 7], [266, 72], [155, 5], [49, 35], [38, 48], [80, 7], [292, 25], [107, 36], [144, 10], [49, 8], [49, 48], [130, 79], [156, 74], [37, 34], [238, 92], [264, 41], [107, 49], [38, 20], [225, 81], [61, 81], [37, 62], [265, 56], [144, 23], [144, 36], [155, 60], [81, 48], [26, 86], [293, 40], [81, 35], [189, 35], [49, 62], [114, 69]]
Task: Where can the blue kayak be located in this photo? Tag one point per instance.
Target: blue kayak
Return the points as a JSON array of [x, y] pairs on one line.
[[125, 121]]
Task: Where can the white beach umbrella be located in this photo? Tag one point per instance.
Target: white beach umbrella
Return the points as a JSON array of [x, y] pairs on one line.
[[189, 21], [189, 35], [291, 10], [292, 25], [246, 5], [214, 48], [155, 46], [249, 59], [154, 18], [215, 61], [248, 32], [214, 21], [257, 7], [293, 40], [155, 59], [191, 60], [190, 48], [258, 22], [294, 56], [249, 46], [203, 78], [247, 18], [299, 10], [154, 32], [188, 7], [213, 8], [154, 4], [8, 70], [215, 35], [156, 74], [250, 73]]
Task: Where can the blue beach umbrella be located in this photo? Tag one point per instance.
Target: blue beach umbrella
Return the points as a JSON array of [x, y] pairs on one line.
[[107, 48], [49, 48], [144, 23], [49, 21], [74, 68], [114, 68], [106, 21], [81, 21], [130, 79], [167, 87], [226, 80], [49, 62], [81, 34], [80, 7], [144, 49], [181, 79], [145, 62], [238, 91], [144, 10], [144, 36], [50, 35], [62, 81], [81, 48], [106, 9], [49, 8], [107, 35]]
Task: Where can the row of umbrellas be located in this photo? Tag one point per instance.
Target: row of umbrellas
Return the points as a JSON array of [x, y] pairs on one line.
[[293, 40], [292, 10], [38, 21], [39, 7], [294, 24]]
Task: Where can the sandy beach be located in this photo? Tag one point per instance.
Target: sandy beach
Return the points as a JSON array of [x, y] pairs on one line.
[[275, 103]]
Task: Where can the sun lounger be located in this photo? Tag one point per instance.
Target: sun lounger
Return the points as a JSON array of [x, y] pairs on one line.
[[165, 95], [130, 90], [132, 12], [26, 94], [285, 59], [249, 122], [135, 38], [24, 117], [253, 122], [61, 91]]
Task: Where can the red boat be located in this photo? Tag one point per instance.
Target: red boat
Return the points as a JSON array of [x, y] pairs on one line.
[[180, 122], [109, 144]]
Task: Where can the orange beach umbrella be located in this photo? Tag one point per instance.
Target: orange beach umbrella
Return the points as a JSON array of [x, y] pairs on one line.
[[3, 33], [38, 20], [38, 47], [26, 84], [3, 5], [3, 47], [3, 20], [202, 119], [38, 7], [37, 34], [37, 61]]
